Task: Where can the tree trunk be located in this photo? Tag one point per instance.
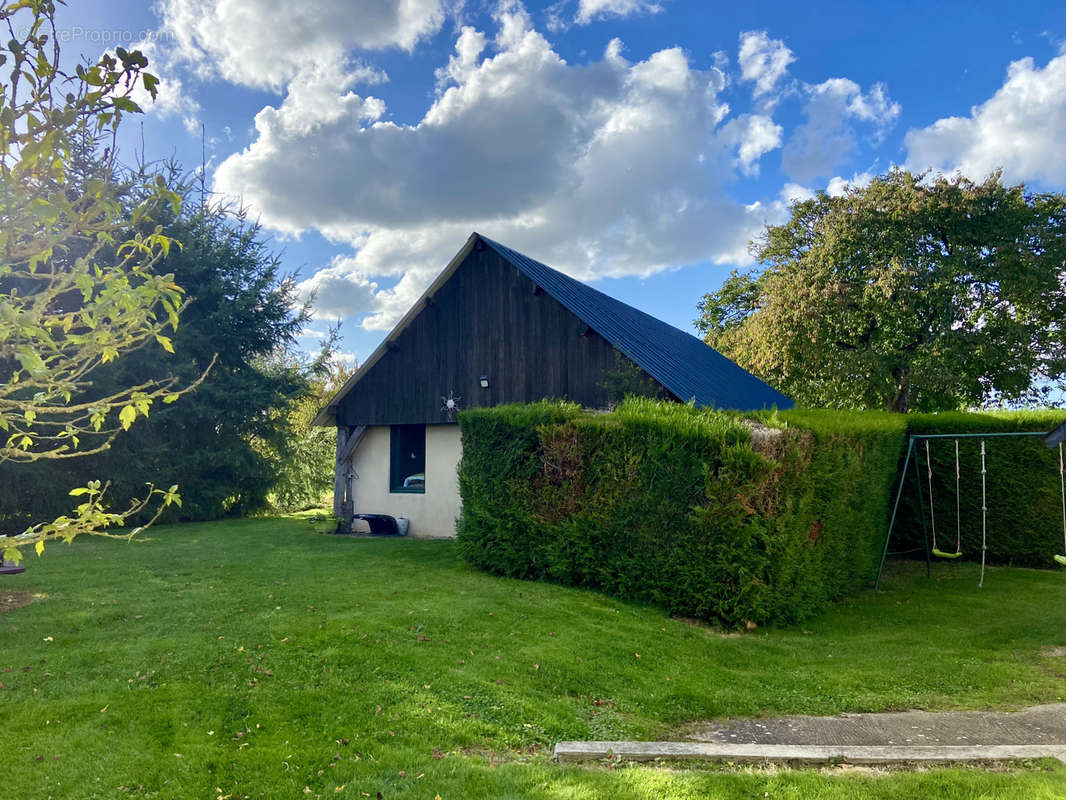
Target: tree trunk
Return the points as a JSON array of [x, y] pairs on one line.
[[901, 401]]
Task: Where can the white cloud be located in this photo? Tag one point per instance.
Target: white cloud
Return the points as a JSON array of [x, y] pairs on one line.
[[265, 43], [797, 193], [608, 168], [339, 291], [829, 136], [468, 48], [763, 60], [589, 10], [838, 185], [794, 193], [172, 97], [753, 135], [1020, 128]]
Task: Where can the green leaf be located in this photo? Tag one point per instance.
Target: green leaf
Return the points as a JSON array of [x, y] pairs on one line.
[[125, 104], [126, 416], [31, 362], [165, 343], [151, 84]]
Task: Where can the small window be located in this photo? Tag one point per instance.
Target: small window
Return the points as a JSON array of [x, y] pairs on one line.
[[407, 461]]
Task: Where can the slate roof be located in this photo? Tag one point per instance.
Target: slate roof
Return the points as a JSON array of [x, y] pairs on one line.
[[685, 365]]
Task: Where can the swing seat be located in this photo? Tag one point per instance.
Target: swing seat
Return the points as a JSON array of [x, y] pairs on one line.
[[942, 554], [1061, 560]]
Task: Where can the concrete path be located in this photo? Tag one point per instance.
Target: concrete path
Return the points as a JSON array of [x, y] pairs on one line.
[[899, 737], [1037, 725], [805, 754]]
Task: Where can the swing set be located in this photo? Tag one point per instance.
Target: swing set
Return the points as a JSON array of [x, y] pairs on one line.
[[930, 548]]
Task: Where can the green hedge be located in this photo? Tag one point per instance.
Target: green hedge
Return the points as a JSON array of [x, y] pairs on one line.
[[1023, 489], [702, 512]]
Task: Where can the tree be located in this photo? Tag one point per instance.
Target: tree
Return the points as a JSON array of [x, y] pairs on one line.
[[911, 293], [626, 379], [76, 291], [303, 463], [221, 443]]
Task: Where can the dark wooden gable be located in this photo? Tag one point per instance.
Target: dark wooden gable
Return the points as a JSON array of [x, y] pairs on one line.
[[486, 319]]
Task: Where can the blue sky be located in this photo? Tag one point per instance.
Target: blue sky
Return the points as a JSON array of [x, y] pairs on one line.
[[636, 144]]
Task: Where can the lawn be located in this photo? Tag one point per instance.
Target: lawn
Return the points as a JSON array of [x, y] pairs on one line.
[[260, 658]]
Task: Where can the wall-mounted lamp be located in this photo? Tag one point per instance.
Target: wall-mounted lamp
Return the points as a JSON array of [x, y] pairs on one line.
[[484, 381]]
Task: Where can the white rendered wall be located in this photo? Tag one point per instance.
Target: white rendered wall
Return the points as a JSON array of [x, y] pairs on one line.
[[432, 514]]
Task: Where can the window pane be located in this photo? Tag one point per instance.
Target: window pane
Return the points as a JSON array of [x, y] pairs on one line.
[[407, 463]]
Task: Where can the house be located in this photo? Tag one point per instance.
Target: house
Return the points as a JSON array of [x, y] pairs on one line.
[[498, 327]]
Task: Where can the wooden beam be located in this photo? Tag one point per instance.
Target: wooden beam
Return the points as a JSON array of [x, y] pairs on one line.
[[339, 478], [343, 495], [355, 436]]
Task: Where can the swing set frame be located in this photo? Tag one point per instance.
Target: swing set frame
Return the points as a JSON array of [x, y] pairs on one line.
[[912, 447]]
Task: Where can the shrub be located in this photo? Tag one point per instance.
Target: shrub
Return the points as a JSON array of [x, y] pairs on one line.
[[705, 513], [497, 467]]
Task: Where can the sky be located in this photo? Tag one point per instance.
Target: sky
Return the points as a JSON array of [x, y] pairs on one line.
[[638, 145]]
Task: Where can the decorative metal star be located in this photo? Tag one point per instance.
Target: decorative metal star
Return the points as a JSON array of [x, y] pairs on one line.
[[450, 403]]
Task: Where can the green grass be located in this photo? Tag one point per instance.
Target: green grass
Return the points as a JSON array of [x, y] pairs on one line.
[[259, 657]]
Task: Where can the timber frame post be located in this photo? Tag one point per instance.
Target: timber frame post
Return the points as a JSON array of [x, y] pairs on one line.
[[348, 439]]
